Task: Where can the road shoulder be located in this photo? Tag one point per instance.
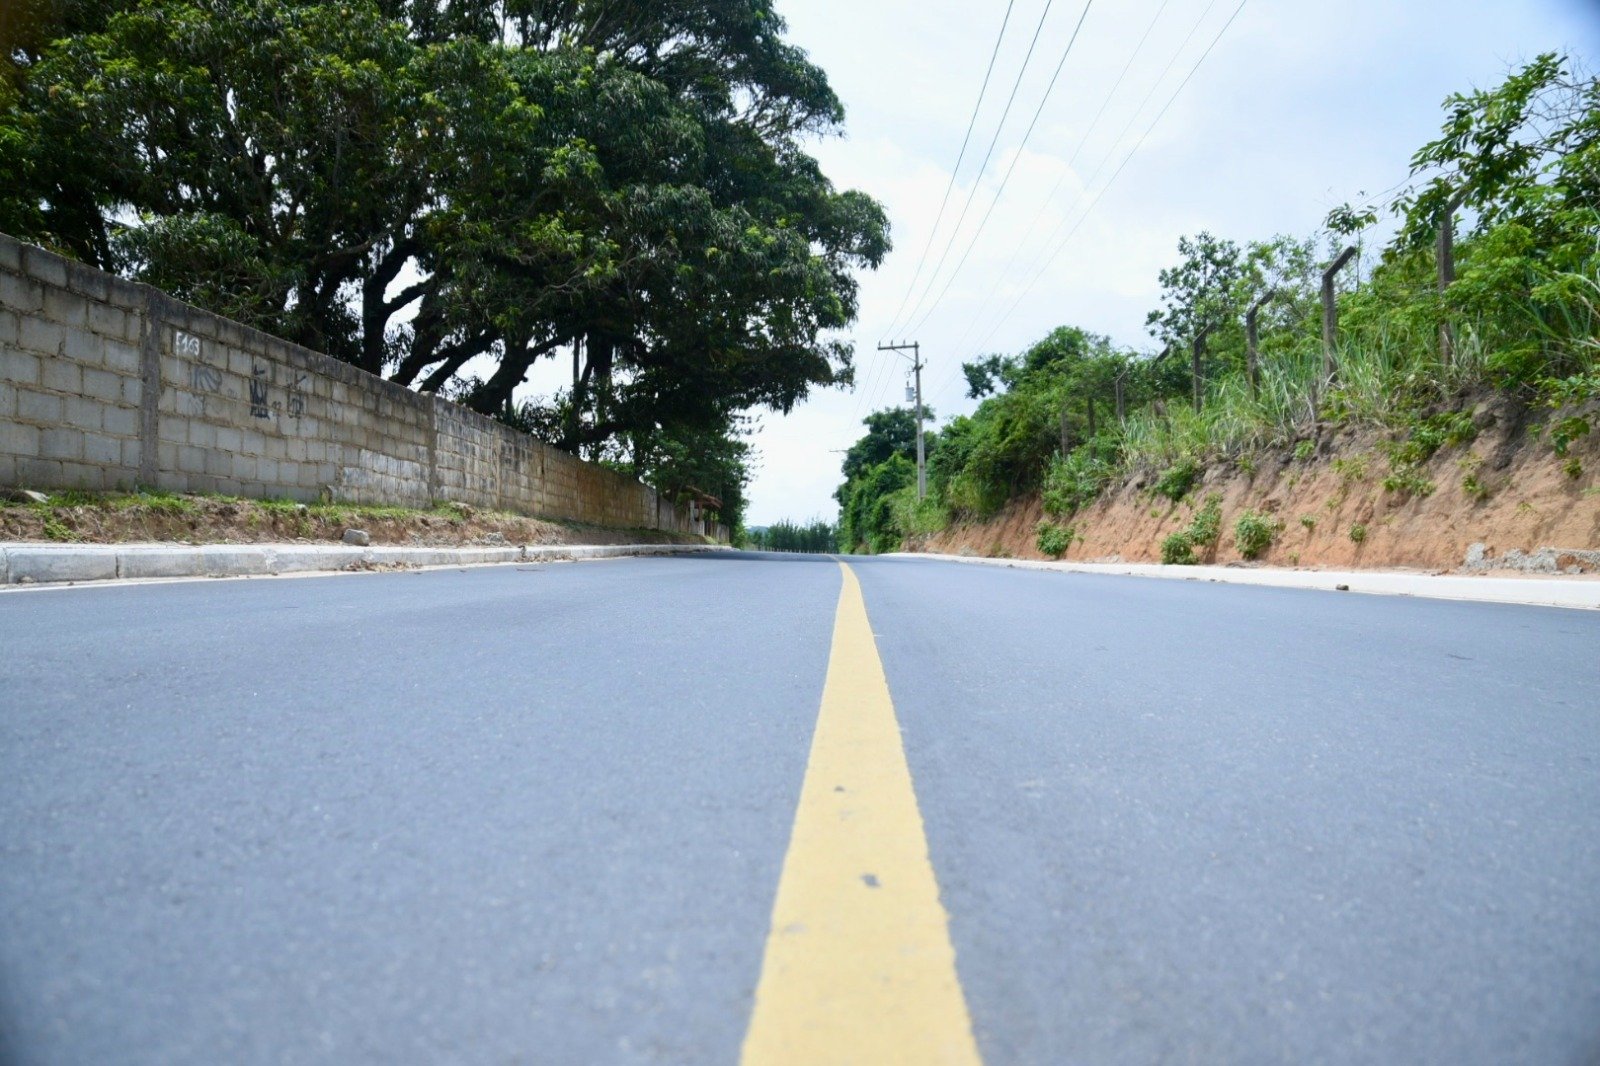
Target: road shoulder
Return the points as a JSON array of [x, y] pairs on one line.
[[1583, 593]]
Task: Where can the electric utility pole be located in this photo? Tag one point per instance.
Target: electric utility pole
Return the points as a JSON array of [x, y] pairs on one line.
[[916, 366]]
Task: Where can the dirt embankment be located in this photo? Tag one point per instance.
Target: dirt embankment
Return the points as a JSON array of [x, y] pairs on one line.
[[77, 517], [1505, 500]]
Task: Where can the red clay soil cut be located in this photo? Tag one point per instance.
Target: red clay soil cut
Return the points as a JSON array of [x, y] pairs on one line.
[[1506, 500]]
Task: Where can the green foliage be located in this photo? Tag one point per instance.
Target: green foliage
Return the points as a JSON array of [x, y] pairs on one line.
[[1176, 481], [1474, 487], [815, 536], [1054, 540], [1202, 532], [1305, 450], [1178, 549], [1308, 521], [1524, 311], [1428, 435], [1206, 527], [418, 189], [683, 459], [1567, 430], [1351, 468], [1012, 443], [877, 502], [1253, 533], [869, 519], [1074, 481], [56, 529], [1358, 532], [1573, 468], [1405, 479]]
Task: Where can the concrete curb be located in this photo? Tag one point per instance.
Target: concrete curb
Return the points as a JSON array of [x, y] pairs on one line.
[[1532, 592], [41, 564]]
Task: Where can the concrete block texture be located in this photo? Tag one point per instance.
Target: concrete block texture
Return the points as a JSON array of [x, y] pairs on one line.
[[120, 420], [18, 439], [40, 408], [40, 264], [19, 367], [97, 373], [40, 335], [20, 294]]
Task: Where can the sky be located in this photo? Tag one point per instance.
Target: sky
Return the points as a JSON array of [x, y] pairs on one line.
[[1299, 106]]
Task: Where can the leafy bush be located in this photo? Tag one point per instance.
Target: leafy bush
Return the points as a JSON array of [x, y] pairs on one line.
[[1405, 480], [1358, 532], [1054, 540], [1073, 482], [1253, 534], [1309, 521], [1351, 468], [1430, 434], [1176, 481], [1305, 450], [1567, 430], [1178, 549], [1205, 529]]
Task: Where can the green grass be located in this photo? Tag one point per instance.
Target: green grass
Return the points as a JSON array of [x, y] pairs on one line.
[[55, 529]]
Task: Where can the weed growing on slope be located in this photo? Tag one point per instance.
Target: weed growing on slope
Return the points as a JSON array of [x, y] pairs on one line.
[[1206, 528], [1406, 480], [1176, 481], [1054, 540], [1203, 531], [1253, 533], [1178, 550], [55, 529]]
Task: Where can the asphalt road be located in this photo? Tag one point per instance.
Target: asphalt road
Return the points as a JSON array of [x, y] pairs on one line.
[[539, 814]]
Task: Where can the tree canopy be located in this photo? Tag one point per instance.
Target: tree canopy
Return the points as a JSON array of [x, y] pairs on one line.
[[429, 188]]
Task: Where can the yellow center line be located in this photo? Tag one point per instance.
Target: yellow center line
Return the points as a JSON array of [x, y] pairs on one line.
[[859, 967]]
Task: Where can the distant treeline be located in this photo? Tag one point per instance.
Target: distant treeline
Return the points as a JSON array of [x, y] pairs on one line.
[[815, 536]]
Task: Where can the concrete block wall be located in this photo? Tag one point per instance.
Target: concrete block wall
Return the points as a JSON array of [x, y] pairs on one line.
[[107, 384]]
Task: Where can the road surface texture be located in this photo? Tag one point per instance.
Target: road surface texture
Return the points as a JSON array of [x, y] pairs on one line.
[[661, 811]]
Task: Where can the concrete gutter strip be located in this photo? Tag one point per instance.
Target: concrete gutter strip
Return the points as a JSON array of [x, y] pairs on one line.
[[1538, 592], [29, 564]]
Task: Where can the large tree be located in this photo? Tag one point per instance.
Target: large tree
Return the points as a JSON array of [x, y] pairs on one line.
[[415, 185]]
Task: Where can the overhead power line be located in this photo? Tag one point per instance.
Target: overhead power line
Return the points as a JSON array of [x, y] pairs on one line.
[[1089, 207], [1077, 150], [972, 122], [1015, 159], [988, 155]]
